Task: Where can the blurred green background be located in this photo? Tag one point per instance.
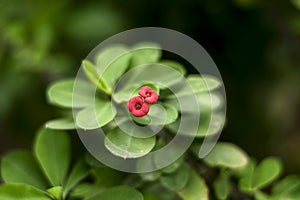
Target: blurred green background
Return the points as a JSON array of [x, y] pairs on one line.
[[255, 44]]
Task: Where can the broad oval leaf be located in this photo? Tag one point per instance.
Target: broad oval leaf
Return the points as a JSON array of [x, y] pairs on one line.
[[175, 65], [159, 114], [95, 117], [266, 172], [119, 193], [195, 189], [226, 155], [61, 93], [52, 150], [111, 63], [125, 146], [21, 192], [61, 124], [145, 53], [21, 167]]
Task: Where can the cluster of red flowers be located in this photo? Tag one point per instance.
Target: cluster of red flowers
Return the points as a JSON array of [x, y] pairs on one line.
[[138, 105]]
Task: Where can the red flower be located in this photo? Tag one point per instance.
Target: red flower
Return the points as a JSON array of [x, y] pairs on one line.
[[149, 95], [137, 106]]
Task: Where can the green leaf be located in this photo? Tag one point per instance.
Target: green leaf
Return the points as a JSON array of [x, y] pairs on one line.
[[245, 174], [175, 65], [195, 189], [52, 149], [119, 193], [176, 180], [112, 62], [92, 74], [154, 73], [159, 114], [222, 186], [208, 125], [226, 155], [174, 166], [96, 117], [288, 187], [296, 3], [199, 84], [21, 192], [145, 53], [151, 176], [56, 192], [85, 190], [125, 146], [106, 177], [61, 93], [61, 124], [266, 172], [79, 172], [21, 167]]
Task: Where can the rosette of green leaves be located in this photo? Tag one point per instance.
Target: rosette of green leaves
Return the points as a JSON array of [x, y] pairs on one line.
[[97, 103]]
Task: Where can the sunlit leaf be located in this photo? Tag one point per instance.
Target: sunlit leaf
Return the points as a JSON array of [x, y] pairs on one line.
[[111, 63], [21, 167], [52, 149], [21, 192], [61, 124], [226, 155], [94, 117], [266, 172], [145, 53], [61, 93], [125, 146]]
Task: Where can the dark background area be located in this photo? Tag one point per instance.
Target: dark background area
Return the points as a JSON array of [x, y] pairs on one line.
[[255, 45]]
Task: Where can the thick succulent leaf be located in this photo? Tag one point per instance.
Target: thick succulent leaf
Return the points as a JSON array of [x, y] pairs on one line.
[[95, 117], [61, 93], [61, 124], [226, 155], [21, 192], [119, 193], [21, 167], [195, 189], [266, 172], [125, 146], [52, 150]]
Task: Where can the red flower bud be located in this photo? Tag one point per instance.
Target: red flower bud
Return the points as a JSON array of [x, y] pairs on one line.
[[149, 95], [137, 106]]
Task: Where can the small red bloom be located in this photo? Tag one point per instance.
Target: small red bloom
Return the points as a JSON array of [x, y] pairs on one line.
[[149, 95], [137, 106]]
